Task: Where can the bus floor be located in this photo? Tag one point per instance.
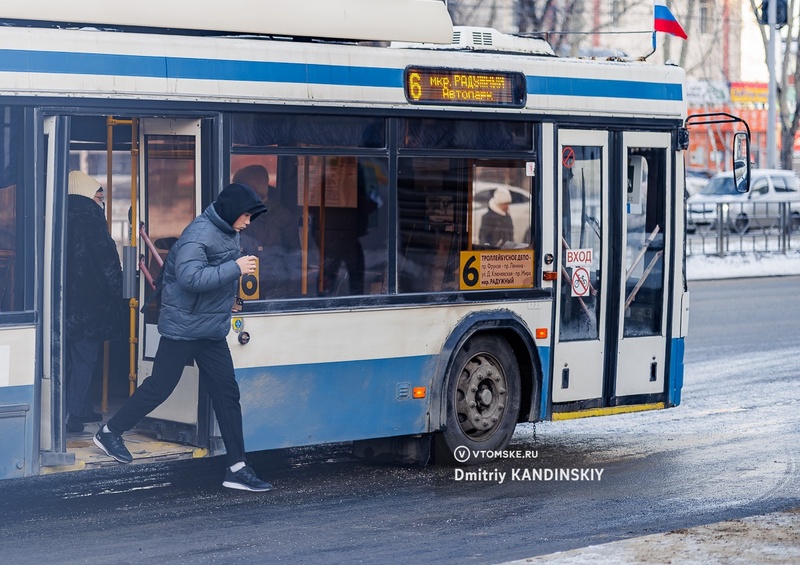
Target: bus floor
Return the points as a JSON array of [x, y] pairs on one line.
[[144, 445]]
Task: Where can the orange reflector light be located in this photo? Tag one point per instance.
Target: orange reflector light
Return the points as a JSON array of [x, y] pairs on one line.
[[541, 333], [550, 275], [418, 392]]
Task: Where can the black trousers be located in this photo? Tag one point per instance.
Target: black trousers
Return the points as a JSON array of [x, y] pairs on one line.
[[213, 358], [81, 358]]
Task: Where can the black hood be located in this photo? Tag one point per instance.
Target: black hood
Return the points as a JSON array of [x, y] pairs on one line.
[[237, 199]]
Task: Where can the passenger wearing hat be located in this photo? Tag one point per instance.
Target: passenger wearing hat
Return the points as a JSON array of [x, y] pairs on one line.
[[200, 279], [497, 228], [93, 303]]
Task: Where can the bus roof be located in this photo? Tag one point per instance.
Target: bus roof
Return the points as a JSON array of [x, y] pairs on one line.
[[356, 20]]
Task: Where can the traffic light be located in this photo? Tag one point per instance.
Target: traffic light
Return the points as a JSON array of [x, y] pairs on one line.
[[780, 13]]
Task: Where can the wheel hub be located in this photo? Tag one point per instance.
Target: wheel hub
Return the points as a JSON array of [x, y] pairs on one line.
[[480, 397]]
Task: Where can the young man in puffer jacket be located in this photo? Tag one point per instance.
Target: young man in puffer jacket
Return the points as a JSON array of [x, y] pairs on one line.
[[201, 275]]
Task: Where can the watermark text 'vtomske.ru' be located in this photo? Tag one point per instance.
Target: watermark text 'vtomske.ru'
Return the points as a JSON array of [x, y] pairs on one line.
[[543, 475], [463, 454]]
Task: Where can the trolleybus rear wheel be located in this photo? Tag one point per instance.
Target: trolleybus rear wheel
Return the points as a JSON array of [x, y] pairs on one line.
[[482, 401]]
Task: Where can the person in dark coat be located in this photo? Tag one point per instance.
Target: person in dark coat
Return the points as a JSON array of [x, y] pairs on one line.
[[497, 228], [200, 280], [92, 295], [273, 237]]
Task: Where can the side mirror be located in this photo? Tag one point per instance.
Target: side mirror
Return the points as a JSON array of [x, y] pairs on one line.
[[741, 161]]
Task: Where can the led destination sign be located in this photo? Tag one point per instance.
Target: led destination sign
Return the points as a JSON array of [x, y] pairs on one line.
[[426, 85]]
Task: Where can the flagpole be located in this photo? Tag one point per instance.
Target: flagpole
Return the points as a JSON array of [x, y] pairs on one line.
[[654, 47]]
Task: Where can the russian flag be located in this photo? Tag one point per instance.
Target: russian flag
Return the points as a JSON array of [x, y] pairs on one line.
[[665, 21]]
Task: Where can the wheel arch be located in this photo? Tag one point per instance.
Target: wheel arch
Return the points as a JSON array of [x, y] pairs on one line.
[[512, 328]]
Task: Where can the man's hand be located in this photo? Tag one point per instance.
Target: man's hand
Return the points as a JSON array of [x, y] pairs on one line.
[[247, 264]]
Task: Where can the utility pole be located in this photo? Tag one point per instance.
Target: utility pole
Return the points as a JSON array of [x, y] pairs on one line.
[[772, 110]]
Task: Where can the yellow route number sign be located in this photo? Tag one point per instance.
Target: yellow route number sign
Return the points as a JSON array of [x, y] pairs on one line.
[[485, 270]]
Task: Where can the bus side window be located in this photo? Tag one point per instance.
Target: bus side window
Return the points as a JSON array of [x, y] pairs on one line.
[[11, 232], [428, 244], [325, 232]]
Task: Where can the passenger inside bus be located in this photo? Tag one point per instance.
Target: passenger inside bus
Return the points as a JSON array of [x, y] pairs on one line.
[[273, 237], [93, 296], [338, 230]]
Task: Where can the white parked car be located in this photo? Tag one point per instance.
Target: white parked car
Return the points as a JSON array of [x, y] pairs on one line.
[[697, 179], [742, 211]]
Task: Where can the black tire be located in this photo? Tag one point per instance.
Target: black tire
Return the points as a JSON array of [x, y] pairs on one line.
[[483, 398], [794, 222], [741, 223]]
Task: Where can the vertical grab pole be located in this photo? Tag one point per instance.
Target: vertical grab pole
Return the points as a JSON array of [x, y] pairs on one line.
[[306, 226], [321, 227], [108, 189], [134, 303], [129, 287]]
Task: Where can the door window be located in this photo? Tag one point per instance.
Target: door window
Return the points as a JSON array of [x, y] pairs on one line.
[[581, 240], [644, 241], [171, 202]]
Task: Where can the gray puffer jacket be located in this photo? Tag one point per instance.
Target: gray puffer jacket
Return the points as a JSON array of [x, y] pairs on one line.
[[200, 280]]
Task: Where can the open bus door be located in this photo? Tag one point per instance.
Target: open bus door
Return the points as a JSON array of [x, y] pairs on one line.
[[170, 199], [166, 198]]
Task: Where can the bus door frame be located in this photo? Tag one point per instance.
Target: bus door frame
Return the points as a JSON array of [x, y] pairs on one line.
[[52, 432], [579, 364], [611, 369], [641, 360]]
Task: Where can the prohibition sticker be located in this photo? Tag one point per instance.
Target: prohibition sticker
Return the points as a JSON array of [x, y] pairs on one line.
[[568, 157], [580, 282]]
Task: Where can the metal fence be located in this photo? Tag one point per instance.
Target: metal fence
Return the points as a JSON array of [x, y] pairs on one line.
[[726, 228]]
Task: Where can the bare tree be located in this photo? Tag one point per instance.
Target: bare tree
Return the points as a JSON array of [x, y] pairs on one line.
[[569, 26], [467, 12], [788, 112], [704, 37], [558, 19]]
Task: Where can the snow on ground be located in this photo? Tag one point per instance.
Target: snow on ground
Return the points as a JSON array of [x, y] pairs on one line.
[[769, 539], [704, 267]]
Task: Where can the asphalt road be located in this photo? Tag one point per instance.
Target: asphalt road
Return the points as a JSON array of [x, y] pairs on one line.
[[728, 451]]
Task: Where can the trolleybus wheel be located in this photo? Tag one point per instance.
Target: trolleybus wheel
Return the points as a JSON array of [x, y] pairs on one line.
[[482, 401]]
